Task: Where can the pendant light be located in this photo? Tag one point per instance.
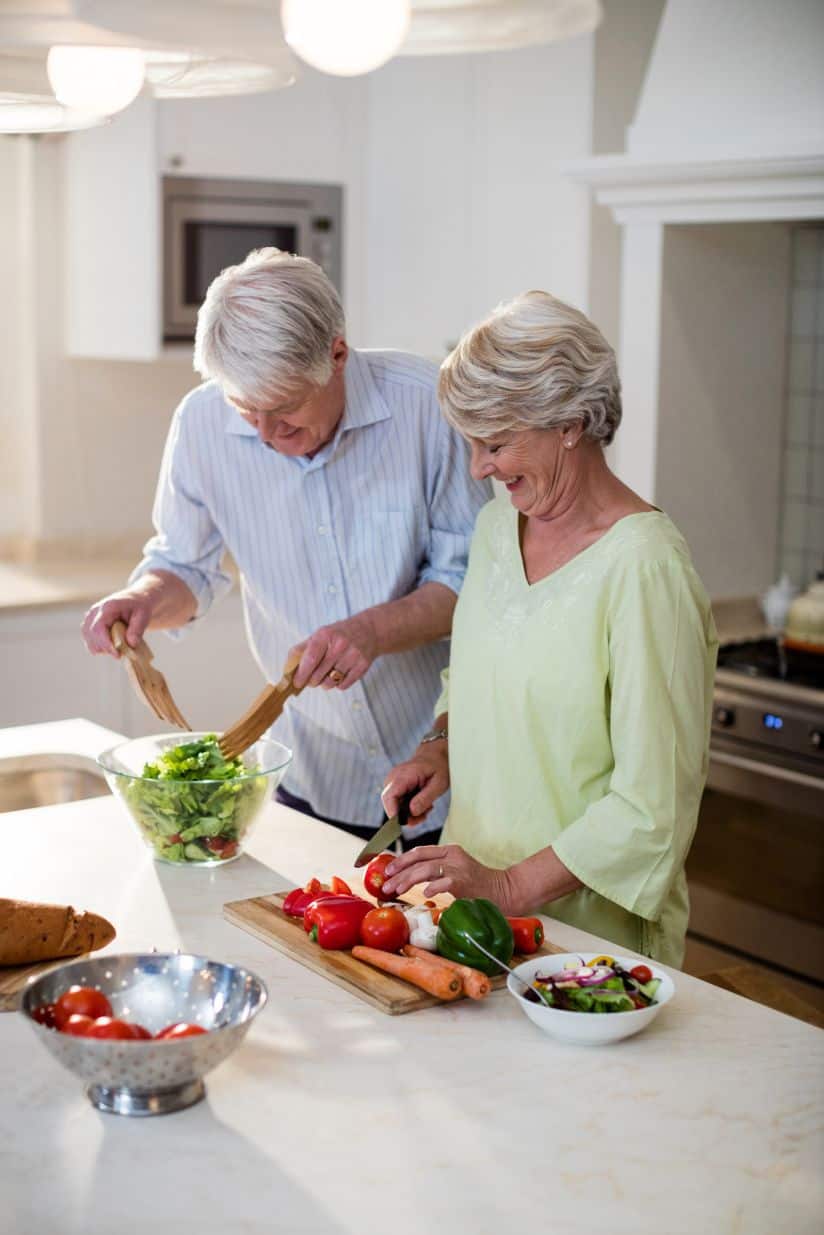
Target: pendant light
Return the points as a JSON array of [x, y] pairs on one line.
[[100, 80], [345, 37]]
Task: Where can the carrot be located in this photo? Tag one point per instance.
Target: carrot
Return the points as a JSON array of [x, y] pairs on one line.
[[436, 916], [442, 983], [475, 984]]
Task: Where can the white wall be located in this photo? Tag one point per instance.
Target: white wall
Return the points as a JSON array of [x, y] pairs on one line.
[[733, 77], [465, 203], [723, 356]]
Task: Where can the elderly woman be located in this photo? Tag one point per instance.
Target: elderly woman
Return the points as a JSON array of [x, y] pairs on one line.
[[573, 726]]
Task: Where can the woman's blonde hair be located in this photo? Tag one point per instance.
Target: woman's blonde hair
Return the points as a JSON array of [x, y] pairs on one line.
[[266, 326], [534, 363]]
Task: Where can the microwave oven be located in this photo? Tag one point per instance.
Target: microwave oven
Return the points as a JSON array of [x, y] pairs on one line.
[[209, 224]]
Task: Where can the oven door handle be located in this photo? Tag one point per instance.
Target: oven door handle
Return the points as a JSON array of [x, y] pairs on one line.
[[769, 770]]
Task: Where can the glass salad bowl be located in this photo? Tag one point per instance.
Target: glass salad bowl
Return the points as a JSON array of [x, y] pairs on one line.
[[192, 807]]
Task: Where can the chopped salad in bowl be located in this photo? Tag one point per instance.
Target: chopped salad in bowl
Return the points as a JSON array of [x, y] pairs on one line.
[[190, 804], [590, 999]]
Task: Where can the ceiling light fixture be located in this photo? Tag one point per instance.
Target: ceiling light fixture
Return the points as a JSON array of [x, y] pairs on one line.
[[345, 37], [100, 80], [448, 27]]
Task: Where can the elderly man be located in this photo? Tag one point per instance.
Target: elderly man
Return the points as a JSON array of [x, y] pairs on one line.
[[345, 500]]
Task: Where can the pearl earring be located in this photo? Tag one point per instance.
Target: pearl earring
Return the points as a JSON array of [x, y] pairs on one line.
[[568, 444]]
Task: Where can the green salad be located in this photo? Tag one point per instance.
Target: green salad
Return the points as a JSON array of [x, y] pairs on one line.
[[193, 805]]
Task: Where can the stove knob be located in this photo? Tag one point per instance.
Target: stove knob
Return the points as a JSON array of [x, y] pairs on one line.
[[724, 717], [817, 738]]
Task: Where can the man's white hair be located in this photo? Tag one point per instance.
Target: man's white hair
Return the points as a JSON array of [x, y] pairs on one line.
[[266, 327], [534, 363]]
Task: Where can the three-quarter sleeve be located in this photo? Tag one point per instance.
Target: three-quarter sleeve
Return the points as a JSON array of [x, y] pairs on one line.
[[630, 845], [186, 542], [453, 501]]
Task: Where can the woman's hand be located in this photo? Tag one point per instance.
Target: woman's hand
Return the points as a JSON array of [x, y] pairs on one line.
[[448, 868], [337, 656], [427, 772]]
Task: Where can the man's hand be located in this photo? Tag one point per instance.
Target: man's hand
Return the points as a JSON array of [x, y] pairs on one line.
[[134, 609], [427, 772], [337, 656], [158, 599]]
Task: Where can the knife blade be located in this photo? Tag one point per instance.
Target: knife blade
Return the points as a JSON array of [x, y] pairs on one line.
[[387, 833]]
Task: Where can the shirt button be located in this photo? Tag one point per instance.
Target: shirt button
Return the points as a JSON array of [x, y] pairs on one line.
[[372, 750], [332, 590], [357, 706], [322, 528]]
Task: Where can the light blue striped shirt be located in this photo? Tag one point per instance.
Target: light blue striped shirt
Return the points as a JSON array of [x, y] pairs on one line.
[[386, 505]]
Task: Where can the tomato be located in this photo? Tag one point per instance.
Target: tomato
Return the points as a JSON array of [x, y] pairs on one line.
[[81, 1001], [219, 844], [110, 1027], [641, 973], [77, 1025], [181, 1030], [385, 928], [375, 876], [45, 1014], [339, 886]]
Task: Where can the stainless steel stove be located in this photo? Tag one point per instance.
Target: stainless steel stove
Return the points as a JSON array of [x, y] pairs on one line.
[[756, 867], [768, 725]]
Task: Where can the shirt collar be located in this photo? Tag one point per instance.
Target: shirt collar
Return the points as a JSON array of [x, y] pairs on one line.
[[365, 404]]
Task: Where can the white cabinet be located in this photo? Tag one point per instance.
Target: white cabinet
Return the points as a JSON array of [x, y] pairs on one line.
[[47, 674]]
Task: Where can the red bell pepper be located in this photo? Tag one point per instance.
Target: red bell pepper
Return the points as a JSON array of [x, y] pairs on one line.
[[528, 934], [334, 921], [299, 899]]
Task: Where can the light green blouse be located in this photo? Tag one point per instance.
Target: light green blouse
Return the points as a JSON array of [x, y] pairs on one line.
[[579, 716]]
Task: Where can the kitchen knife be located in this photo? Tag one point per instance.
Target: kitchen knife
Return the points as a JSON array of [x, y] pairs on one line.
[[387, 833]]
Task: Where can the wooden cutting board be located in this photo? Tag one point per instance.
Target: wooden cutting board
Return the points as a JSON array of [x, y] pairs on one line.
[[15, 978], [263, 917]]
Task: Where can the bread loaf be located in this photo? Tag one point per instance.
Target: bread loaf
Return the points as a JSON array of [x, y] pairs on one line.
[[31, 932]]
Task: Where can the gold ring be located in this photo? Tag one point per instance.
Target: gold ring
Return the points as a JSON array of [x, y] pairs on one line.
[[336, 676], [440, 872]]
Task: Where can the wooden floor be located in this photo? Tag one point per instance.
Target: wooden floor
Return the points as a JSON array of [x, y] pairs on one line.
[[783, 993]]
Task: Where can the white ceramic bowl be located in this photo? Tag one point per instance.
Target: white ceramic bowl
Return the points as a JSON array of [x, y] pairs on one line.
[[586, 1028]]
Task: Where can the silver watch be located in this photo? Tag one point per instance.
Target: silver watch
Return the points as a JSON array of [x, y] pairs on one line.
[[434, 735]]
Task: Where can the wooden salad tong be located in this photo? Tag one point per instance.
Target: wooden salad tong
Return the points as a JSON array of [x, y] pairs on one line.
[[264, 712], [148, 682]]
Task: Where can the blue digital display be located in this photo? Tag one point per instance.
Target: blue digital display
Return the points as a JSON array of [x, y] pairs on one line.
[[771, 721]]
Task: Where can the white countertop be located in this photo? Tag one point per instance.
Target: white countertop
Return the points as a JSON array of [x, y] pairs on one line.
[[333, 1118]]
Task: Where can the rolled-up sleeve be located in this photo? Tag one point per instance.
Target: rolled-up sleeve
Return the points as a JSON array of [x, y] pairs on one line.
[[630, 844], [186, 542], [454, 500]]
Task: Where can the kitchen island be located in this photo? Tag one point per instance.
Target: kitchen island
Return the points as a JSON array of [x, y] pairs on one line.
[[333, 1118]]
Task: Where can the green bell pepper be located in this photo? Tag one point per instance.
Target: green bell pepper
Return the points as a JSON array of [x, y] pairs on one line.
[[479, 919]]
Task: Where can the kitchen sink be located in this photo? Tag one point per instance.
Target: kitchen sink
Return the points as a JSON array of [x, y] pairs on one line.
[[47, 779]]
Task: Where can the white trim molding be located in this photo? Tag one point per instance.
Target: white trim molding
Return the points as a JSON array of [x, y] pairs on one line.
[[712, 191]]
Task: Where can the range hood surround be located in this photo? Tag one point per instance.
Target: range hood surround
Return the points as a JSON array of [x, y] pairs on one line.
[[729, 128]]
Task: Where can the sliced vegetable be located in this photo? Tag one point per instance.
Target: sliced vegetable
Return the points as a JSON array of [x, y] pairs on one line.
[[467, 920], [299, 899], [339, 886], [528, 934], [597, 987], [440, 982]]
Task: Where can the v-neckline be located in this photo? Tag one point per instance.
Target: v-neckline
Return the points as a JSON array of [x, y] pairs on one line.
[[553, 574]]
